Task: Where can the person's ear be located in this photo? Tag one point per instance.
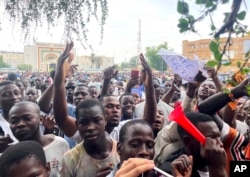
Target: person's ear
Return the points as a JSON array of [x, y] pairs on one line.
[[48, 169], [119, 148]]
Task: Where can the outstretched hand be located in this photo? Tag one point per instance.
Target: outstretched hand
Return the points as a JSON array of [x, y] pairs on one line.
[[64, 61], [146, 72], [213, 148], [110, 72], [211, 72], [4, 142], [103, 172], [182, 166], [133, 167]]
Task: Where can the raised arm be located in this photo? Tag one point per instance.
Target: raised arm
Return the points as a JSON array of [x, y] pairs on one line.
[[212, 74], [214, 103], [187, 103], [167, 96], [150, 107], [66, 123], [45, 100], [109, 73], [131, 83]]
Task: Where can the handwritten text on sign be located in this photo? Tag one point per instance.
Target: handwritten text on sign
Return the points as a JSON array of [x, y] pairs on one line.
[[180, 65]]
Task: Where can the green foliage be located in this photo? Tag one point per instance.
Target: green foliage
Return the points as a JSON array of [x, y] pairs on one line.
[[245, 70], [98, 61], [24, 67], [131, 64], [155, 61], [227, 63], [239, 64], [231, 25], [248, 89], [182, 7], [231, 22], [76, 14], [3, 64], [214, 46], [212, 63], [241, 15], [226, 90]]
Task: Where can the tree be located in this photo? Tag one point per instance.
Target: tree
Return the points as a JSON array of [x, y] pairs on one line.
[[155, 61], [131, 64], [76, 14], [2, 63], [98, 61], [24, 67], [232, 26], [92, 59]]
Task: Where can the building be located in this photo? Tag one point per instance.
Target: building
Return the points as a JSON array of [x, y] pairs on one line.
[[44, 56], [13, 59], [94, 63], [236, 52]]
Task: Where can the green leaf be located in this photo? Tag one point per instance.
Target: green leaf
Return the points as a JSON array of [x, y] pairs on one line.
[[245, 70], [232, 82], [182, 8], [217, 56], [227, 63], [212, 63], [241, 15], [209, 4], [248, 89], [183, 25], [183, 22], [212, 27], [238, 64], [214, 46]]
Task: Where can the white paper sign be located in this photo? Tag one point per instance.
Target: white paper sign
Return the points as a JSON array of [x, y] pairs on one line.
[[181, 65]]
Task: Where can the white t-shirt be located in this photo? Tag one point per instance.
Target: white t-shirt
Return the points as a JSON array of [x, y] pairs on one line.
[[5, 125], [139, 110], [54, 154], [116, 132], [241, 127], [203, 174]]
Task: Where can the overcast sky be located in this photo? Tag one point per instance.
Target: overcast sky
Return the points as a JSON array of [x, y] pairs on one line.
[[159, 20]]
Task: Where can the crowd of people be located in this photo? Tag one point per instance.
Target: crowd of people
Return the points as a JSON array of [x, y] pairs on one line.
[[57, 124]]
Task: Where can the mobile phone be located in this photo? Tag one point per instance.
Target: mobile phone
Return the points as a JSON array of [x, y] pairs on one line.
[[134, 74]]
